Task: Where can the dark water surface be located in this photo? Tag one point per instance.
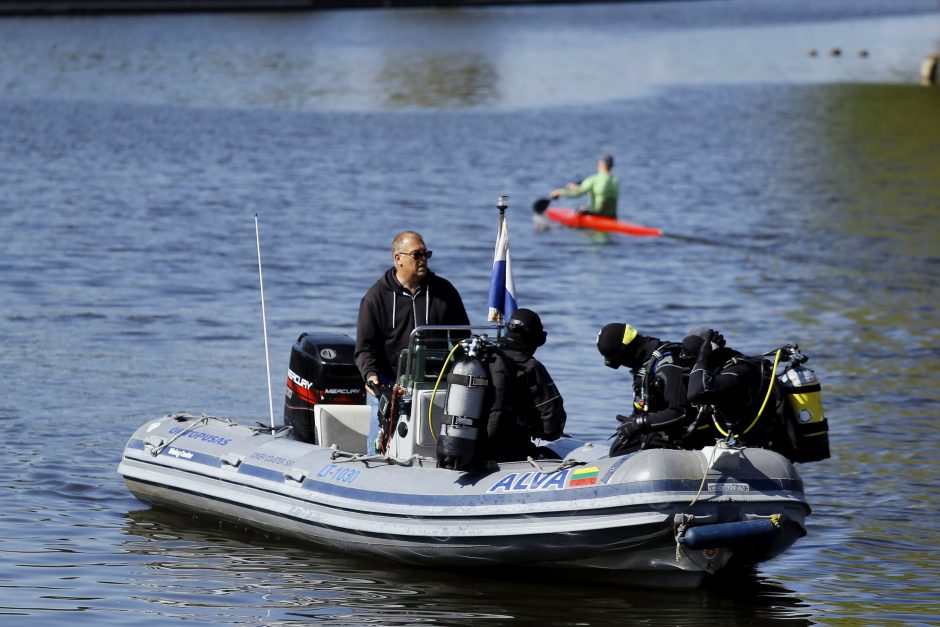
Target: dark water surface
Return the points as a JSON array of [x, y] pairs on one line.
[[800, 198]]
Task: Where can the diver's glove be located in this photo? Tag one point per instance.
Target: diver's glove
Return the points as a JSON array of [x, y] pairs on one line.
[[713, 341], [632, 425], [716, 340]]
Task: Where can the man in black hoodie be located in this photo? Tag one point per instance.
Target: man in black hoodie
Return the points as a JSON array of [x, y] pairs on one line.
[[408, 295]]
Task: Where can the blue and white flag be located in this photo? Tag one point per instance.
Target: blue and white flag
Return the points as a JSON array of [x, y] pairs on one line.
[[502, 300]]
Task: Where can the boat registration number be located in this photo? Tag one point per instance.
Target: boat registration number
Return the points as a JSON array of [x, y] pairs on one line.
[[340, 474]]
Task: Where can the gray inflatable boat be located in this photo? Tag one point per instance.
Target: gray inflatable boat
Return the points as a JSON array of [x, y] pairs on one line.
[[662, 518]]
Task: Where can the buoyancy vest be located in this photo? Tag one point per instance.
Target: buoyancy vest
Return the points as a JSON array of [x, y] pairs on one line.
[[682, 427], [644, 383], [791, 422]]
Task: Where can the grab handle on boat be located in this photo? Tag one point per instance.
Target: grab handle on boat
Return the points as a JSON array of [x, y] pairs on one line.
[[153, 445], [295, 474], [232, 459]]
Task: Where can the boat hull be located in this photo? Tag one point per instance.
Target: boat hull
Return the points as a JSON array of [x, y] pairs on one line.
[[591, 512]]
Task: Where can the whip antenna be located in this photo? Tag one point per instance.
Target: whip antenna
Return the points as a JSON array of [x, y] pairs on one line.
[[264, 322]]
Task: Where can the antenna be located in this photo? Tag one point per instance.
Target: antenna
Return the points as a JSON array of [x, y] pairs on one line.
[[264, 322]]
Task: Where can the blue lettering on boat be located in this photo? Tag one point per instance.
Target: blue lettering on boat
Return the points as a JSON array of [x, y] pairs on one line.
[[202, 435], [520, 483], [339, 474], [272, 459], [530, 482]]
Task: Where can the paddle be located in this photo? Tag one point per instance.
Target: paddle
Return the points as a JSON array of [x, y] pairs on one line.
[[540, 205]]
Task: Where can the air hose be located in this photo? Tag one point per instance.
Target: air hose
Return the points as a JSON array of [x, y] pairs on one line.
[[437, 384]]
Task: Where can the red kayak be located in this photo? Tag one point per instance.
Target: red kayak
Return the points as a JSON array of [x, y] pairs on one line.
[[570, 217]]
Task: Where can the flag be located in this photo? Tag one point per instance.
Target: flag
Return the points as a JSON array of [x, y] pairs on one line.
[[502, 300]]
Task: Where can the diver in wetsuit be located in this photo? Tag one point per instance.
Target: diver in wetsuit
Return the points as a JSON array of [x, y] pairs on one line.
[[542, 403], [662, 415]]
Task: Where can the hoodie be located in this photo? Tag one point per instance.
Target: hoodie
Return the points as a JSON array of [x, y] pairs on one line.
[[389, 313]]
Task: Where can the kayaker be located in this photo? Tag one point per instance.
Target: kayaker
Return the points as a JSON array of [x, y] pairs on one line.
[[662, 415], [602, 190], [406, 296], [539, 410]]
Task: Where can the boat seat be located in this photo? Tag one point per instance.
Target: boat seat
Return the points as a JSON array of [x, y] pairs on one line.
[[425, 437], [346, 426]]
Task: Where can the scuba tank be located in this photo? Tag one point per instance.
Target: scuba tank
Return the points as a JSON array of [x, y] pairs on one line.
[[463, 410], [806, 424]]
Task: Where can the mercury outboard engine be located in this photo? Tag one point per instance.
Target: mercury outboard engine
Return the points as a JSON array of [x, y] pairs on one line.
[[463, 409], [322, 370]]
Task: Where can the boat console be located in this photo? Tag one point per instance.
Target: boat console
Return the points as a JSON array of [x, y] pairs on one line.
[[415, 424]]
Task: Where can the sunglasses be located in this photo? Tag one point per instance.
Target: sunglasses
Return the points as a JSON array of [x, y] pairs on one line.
[[419, 254]]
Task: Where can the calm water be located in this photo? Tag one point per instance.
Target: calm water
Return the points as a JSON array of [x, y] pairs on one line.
[[800, 198]]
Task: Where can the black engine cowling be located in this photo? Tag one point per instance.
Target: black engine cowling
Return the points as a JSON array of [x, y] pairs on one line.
[[322, 370]]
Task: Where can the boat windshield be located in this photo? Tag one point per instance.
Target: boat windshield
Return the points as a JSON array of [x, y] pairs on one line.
[[420, 365]]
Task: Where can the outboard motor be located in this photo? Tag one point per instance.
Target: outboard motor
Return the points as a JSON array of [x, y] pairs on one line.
[[322, 370], [809, 431], [463, 409]]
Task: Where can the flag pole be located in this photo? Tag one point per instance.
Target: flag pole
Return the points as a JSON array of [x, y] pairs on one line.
[[502, 296], [502, 203]]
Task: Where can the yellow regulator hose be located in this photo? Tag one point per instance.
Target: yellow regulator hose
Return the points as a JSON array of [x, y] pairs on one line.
[[434, 392]]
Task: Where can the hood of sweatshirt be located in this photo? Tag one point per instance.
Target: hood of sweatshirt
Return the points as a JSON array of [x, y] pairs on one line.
[[398, 292]]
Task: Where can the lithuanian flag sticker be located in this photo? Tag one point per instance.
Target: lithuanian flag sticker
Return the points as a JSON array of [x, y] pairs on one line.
[[584, 476]]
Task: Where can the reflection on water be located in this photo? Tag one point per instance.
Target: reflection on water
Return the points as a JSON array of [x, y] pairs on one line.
[[450, 79], [509, 57], [232, 574]]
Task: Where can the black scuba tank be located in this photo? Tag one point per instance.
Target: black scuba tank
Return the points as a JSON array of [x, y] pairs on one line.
[[322, 370], [463, 410]]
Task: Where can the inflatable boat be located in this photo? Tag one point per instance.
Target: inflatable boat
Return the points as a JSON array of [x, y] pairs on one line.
[[331, 476]]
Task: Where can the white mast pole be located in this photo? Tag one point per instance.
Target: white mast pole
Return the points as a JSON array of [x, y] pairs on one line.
[[264, 323]]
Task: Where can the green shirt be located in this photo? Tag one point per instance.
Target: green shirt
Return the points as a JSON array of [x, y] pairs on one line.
[[602, 190]]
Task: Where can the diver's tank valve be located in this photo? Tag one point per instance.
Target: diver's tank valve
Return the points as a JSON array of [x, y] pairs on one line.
[[463, 408]]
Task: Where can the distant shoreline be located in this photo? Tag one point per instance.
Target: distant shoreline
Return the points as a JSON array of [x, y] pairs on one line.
[[87, 7]]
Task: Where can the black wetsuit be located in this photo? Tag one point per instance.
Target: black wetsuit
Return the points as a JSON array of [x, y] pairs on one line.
[[523, 403], [544, 407], [662, 413]]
